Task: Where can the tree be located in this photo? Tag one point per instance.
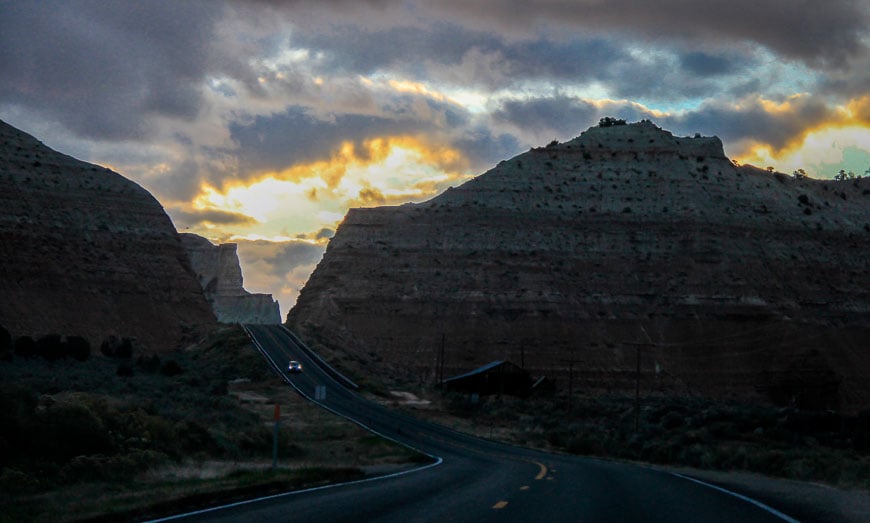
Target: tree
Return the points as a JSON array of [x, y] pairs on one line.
[[799, 174], [609, 121], [842, 176]]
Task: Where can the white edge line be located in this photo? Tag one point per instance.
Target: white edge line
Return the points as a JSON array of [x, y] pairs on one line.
[[755, 502], [438, 460]]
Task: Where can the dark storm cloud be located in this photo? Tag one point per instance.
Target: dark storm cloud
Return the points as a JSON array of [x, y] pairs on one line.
[[701, 63], [295, 136], [821, 33], [282, 257], [324, 234], [559, 115], [751, 121], [484, 147], [301, 134], [426, 52], [191, 218], [101, 68], [465, 56], [565, 117]]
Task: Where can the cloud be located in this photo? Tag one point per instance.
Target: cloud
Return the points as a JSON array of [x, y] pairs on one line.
[[278, 268], [187, 218], [778, 124], [560, 116], [825, 34], [301, 134], [104, 69]]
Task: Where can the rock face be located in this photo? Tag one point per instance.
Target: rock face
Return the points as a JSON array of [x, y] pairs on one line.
[[726, 280], [84, 251], [219, 273]]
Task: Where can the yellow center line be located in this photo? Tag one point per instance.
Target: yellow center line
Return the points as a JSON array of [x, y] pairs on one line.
[[500, 505], [542, 472], [524, 487]]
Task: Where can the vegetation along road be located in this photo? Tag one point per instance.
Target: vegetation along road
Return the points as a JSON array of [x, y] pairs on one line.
[[472, 479]]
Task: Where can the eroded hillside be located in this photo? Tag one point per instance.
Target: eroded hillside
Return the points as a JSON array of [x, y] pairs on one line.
[[84, 251], [737, 281]]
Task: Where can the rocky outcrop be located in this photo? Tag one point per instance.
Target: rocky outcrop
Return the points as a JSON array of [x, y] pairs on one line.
[[219, 273], [622, 241], [84, 251]]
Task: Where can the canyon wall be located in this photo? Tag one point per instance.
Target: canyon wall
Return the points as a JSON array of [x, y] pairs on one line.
[[625, 242], [219, 273], [84, 251]]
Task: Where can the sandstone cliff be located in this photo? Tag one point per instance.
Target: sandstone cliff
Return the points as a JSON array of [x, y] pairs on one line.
[[728, 280], [219, 273], [84, 251]]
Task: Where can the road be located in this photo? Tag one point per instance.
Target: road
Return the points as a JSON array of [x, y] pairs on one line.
[[477, 480]]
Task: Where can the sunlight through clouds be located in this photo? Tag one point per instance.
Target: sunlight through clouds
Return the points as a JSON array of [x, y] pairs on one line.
[[304, 198], [821, 153]]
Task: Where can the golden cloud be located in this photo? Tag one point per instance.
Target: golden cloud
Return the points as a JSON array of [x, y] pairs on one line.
[[819, 136], [380, 171]]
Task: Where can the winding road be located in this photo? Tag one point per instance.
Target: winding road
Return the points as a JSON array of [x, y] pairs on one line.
[[476, 480]]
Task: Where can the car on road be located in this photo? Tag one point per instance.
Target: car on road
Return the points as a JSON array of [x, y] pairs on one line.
[[294, 367]]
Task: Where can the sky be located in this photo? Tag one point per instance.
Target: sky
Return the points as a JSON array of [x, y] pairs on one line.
[[262, 122]]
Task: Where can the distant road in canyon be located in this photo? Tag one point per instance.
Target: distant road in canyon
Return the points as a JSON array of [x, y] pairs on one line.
[[477, 480]]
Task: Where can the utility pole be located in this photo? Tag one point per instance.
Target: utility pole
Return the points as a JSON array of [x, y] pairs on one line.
[[275, 437], [570, 363], [637, 346], [441, 363]]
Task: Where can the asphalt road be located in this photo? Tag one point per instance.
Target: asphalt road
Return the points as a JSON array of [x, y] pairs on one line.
[[477, 480]]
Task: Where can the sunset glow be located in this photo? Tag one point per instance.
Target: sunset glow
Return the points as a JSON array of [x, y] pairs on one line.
[[266, 121]]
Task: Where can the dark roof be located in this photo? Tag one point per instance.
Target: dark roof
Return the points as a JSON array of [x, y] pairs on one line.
[[479, 370]]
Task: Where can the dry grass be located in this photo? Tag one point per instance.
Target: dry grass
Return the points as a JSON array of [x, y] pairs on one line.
[[168, 444], [706, 434]]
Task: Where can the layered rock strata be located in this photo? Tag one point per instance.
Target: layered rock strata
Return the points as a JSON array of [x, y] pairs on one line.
[[219, 273], [726, 280], [84, 251]]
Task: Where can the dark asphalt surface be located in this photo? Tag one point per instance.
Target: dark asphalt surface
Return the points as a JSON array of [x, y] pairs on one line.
[[476, 480]]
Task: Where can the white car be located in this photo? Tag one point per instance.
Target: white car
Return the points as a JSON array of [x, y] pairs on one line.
[[294, 367]]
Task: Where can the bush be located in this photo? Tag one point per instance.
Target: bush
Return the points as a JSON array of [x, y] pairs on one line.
[[77, 347], [5, 340], [171, 368], [149, 364], [609, 121], [70, 429], [25, 347], [115, 347], [124, 370], [50, 347]]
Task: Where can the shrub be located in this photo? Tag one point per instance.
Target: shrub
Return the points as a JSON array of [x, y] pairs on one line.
[[50, 347], [25, 347], [609, 121], [171, 368], [149, 363], [70, 429], [124, 370], [78, 347], [115, 347], [5, 340]]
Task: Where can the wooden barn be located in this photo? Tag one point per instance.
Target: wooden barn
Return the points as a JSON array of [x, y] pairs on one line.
[[497, 377]]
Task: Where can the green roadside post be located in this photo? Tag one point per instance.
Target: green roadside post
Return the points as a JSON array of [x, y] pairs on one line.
[[275, 437]]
